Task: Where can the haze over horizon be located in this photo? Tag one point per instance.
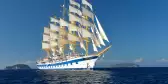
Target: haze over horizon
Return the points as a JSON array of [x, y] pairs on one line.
[[136, 28]]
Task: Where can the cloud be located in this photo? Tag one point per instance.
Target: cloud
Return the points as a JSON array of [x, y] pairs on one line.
[[162, 60], [139, 60]]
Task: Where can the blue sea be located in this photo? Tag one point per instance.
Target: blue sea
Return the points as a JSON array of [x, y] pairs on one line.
[[112, 76]]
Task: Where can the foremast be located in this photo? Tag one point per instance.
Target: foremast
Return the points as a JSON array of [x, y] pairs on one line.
[[80, 29]]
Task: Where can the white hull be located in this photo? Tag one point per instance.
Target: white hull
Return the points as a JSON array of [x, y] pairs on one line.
[[77, 63]]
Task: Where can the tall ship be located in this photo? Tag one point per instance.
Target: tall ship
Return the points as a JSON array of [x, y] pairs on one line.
[[75, 40]]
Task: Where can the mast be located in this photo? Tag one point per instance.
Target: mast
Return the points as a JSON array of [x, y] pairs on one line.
[[64, 10], [86, 17], [74, 8], [81, 17], [81, 28], [62, 47], [54, 29]]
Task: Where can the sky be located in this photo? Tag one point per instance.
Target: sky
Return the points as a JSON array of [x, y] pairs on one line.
[[136, 28]]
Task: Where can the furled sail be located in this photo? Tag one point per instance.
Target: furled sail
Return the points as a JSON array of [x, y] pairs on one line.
[[88, 13], [54, 20], [53, 27], [75, 10], [74, 3], [87, 3], [63, 22], [101, 30]]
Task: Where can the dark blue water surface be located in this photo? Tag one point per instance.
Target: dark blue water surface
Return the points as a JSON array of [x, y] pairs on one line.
[[113, 76]]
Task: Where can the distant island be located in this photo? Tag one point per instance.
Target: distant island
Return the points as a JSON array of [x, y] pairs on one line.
[[125, 65], [17, 66], [119, 65]]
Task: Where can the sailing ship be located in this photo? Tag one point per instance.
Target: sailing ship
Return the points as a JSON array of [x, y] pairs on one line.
[[69, 39]]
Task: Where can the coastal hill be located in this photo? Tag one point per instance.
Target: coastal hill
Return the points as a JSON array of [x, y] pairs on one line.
[[18, 66], [125, 65], [120, 65]]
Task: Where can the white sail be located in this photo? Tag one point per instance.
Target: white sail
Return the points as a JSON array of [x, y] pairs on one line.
[[73, 38], [75, 10], [53, 36], [87, 3], [72, 27], [53, 27], [88, 13], [85, 33], [53, 43], [45, 45], [54, 20], [74, 18], [99, 37], [86, 23], [74, 3], [63, 22], [97, 43], [62, 42], [81, 42], [46, 30], [46, 38], [101, 30], [94, 38], [94, 46], [60, 49], [53, 51], [70, 47]]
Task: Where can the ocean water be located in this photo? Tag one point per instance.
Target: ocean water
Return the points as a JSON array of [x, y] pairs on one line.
[[113, 76]]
